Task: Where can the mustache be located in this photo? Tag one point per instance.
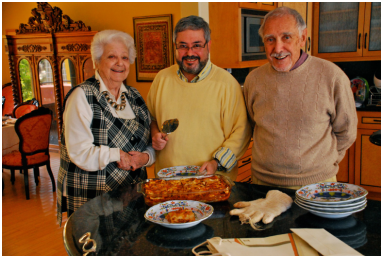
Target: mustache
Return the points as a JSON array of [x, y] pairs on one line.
[[281, 54], [190, 57]]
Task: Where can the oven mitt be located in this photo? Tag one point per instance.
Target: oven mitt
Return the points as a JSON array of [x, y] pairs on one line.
[[266, 210]]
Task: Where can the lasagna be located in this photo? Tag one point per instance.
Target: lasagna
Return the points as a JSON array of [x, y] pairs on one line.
[[206, 189], [180, 216]]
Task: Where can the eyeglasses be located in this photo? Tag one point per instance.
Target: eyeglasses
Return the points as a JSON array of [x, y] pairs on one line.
[[195, 47]]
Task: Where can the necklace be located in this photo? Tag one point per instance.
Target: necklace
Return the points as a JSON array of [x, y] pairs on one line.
[[118, 107]]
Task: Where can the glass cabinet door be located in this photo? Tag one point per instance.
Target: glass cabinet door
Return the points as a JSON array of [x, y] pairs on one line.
[[372, 30], [47, 91], [338, 27], [68, 73], [25, 73]]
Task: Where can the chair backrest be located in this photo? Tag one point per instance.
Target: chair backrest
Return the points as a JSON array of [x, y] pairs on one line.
[[33, 131], [8, 102], [24, 108]]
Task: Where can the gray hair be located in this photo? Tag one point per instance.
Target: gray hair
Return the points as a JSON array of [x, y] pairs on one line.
[[107, 36], [194, 23], [280, 12]]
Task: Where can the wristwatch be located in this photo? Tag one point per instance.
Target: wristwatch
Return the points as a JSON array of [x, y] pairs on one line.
[[220, 167]]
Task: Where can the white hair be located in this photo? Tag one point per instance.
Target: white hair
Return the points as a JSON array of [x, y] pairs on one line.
[[107, 36], [280, 12]]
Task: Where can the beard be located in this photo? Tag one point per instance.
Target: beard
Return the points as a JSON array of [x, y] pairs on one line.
[[192, 70], [278, 55]]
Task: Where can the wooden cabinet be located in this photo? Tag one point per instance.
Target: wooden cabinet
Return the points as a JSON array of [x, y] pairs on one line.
[[347, 31], [266, 6], [362, 162], [47, 57], [226, 36], [368, 155], [244, 166], [305, 9]]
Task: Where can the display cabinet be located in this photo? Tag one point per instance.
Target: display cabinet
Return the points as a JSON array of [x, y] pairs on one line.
[[347, 31], [47, 56]]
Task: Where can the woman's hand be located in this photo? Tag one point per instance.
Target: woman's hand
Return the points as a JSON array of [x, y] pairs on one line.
[[125, 161], [159, 140], [210, 167], [138, 159]]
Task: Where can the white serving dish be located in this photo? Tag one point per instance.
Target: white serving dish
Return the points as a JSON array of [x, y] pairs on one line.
[[332, 205], [177, 171], [331, 192], [157, 213], [331, 209], [332, 215]]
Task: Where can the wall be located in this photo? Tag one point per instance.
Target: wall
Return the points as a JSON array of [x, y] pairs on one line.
[[100, 16]]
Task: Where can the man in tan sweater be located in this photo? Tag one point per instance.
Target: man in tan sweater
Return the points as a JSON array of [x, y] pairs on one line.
[[301, 108]]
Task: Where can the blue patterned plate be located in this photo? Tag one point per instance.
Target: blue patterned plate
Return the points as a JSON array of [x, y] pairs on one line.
[[331, 193], [176, 171], [157, 213]]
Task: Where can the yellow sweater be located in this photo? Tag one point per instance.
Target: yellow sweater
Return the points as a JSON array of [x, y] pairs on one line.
[[211, 114]]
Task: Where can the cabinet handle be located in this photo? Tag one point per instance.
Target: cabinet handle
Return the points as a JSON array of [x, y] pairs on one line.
[[309, 44], [365, 41], [360, 35], [377, 120]]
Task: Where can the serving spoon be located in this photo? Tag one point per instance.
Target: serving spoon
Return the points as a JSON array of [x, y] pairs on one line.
[[169, 126]]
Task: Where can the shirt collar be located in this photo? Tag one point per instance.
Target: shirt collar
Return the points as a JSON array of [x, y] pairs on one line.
[[103, 87], [202, 75], [300, 61]]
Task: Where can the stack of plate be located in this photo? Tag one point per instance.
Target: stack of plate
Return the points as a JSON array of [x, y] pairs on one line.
[[331, 199]]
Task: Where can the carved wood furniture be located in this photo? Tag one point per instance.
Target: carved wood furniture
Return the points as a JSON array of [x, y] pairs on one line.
[[57, 51]]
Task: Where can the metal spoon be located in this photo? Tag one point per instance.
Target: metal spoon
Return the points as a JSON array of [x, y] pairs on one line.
[[169, 126]]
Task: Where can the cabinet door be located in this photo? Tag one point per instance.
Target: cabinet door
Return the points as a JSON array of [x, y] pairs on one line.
[[305, 10], [338, 29], [367, 161], [265, 6], [372, 33]]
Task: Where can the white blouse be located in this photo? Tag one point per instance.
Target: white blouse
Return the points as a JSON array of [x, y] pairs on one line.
[[79, 139]]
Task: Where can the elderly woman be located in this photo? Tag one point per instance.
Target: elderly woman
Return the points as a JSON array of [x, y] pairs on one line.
[[106, 132]]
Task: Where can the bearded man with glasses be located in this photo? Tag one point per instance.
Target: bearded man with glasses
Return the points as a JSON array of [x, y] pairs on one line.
[[213, 129]]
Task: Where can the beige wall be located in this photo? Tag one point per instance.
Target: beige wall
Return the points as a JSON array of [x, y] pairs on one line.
[[99, 16]]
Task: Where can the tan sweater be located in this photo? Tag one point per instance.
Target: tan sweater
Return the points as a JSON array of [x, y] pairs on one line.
[[303, 122]]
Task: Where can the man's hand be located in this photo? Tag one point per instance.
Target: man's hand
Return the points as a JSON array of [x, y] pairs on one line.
[[210, 167], [159, 140], [138, 159], [125, 161]]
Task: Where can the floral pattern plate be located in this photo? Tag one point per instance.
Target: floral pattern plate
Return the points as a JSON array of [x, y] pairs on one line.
[[176, 171], [331, 193], [333, 215], [333, 205], [331, 209], [157, 213]]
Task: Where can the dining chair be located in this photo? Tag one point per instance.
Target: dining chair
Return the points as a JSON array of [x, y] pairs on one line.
[[24, 108], [7, 99], [33, 131]]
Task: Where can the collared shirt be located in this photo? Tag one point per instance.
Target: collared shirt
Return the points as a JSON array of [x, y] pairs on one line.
[[201, 76], [300, 61]]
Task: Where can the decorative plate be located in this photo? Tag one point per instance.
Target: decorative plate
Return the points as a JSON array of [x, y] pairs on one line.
[[157, 213], [360, 89], [331, 192], [187, 170], [331, 209], [331, 205], [333, 215]]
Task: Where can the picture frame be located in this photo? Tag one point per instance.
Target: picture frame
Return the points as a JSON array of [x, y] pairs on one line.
[[153, 36]]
